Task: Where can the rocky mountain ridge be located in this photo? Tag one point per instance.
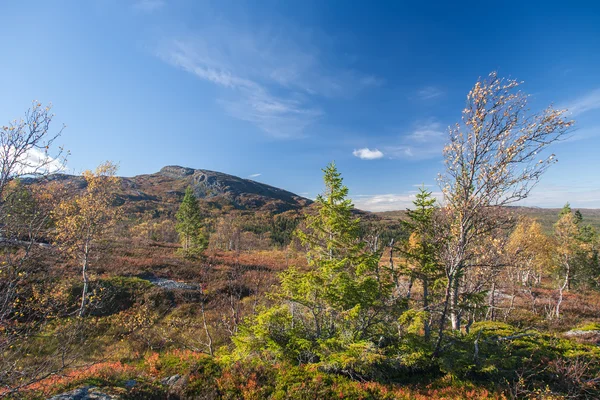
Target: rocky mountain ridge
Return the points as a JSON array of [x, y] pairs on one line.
[[162, 191]]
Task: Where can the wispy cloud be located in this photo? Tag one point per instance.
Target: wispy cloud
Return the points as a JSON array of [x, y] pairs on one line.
[[388, 202], [555, 196], [583, 134], [429, 92], [545, 195], [367, 154], [254, 175], [273, 79], [588, 102], [279, 116], [426, 140], [148, 6]]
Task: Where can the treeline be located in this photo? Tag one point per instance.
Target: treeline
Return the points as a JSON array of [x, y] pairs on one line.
[[246, 231], [233, 230]]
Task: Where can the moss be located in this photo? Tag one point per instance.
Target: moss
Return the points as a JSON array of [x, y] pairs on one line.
[[117, 293], [591, 326]]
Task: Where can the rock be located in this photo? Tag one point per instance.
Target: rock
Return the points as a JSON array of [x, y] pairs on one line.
[[85, 393], [501, 295], [170, 380], [175, 171], [179, 386], [130, 383], [171, 284], [176, 384], [590, 336], [579, 332]]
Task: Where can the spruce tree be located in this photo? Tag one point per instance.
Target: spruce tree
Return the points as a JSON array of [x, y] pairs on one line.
[[331, 234], [189, 224], [341, 310], [565, 210], [421, 248]]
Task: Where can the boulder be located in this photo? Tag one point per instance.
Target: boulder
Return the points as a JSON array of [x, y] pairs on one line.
[[85, 393]]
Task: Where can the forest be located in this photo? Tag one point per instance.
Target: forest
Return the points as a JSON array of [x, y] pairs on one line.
[[459, 297]]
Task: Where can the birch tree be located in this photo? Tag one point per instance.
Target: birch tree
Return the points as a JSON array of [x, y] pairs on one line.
[[84, 220], [494, 157], [27, 148], [567, 248]]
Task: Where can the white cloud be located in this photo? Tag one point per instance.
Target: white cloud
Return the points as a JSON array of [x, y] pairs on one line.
[[588, 102], [148, 6], [429, 92], [270, 78], [367, 154], [254, 175], [388, 202], [36, 161]]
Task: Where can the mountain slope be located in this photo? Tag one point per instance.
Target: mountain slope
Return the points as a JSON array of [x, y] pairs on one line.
[[162, 191]]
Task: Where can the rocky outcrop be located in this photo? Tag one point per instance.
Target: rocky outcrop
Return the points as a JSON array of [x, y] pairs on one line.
[[589, 336], [175, 171], [85, 393], [170, 284], [176, 386], [579, 332], [207, 183]]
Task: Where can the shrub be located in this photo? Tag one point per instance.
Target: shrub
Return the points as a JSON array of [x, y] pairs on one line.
[[119, 293]]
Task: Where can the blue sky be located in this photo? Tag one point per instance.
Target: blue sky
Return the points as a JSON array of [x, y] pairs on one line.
[[274, 90]]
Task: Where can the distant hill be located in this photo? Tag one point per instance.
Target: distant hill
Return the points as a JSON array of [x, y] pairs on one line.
[[546, 216], [163, 191]]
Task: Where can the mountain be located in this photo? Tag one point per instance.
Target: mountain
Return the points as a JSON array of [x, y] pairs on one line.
[[163, 191]]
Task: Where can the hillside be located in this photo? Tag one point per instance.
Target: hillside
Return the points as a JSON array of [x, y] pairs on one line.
[[161, 192], [546, 216]]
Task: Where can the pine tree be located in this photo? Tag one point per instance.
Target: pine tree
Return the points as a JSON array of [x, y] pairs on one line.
[[189, 224]]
